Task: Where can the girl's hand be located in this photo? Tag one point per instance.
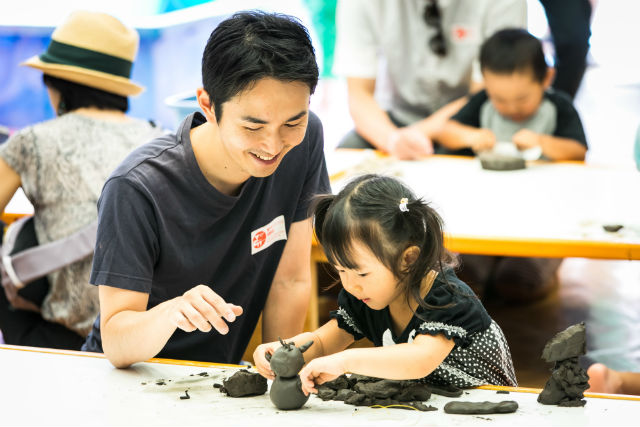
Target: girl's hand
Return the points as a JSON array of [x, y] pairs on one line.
[[260, 359], [321, 370]]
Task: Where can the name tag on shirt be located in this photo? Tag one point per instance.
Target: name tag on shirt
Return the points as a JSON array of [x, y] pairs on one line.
[[267, 235]]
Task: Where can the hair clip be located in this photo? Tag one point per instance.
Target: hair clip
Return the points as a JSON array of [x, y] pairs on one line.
[[403, 204]]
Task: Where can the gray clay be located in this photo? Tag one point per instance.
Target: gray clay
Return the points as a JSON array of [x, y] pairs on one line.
[[360, 390], [500, 162], [566, 344], [473, 408], [568, 379], [286, 390], [288, 394], [446, 390], [244, 383], [379, 389]]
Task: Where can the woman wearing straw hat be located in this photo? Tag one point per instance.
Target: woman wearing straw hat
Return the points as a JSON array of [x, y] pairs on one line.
[[63, 163]]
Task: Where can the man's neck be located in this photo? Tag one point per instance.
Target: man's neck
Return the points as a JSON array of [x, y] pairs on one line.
[[213, 160]]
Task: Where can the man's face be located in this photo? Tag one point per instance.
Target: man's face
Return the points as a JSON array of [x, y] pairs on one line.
[[516, 96], [260, 125]]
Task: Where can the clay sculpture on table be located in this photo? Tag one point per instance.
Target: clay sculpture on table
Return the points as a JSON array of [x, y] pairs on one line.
[[244, 383], [360, 390], [568, 379], [286, 390]]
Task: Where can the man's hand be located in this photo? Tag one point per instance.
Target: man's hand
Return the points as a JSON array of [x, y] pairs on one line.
[[408, 143], [321, 370], [525, 139], [201, 308], [481, 140]]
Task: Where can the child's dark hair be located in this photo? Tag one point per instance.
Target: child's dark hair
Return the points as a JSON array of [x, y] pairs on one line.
[[368, 210], [513, 50], [74, 96], [253, 45]]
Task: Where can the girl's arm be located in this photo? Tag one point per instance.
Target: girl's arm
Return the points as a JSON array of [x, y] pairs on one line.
[[398, 362], [327, 339]]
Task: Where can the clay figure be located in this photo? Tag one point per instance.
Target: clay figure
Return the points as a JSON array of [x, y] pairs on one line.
[[286, 390], [472, 408], [568, 379], [244, 383]]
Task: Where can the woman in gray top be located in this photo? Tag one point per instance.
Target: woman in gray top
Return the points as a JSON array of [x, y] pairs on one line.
[[62, 164]]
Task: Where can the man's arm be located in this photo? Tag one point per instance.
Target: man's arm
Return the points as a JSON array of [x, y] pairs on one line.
[[370, 121], [131, 333], [374, 125], [286, 307]]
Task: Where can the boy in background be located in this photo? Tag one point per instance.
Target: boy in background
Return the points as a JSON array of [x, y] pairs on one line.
[[517, 104], [517, 108]]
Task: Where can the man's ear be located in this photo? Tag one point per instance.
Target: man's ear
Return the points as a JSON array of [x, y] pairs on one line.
[[204, 101], [409, 256], [548, 78]]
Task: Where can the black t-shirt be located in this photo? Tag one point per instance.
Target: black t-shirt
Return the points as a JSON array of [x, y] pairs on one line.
[[163, 229], [568, 123], [481, 354]]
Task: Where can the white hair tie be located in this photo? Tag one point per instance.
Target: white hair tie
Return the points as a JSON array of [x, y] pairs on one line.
[[403, 204]]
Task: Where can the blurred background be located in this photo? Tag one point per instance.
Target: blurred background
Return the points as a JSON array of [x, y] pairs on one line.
[[174, 32]]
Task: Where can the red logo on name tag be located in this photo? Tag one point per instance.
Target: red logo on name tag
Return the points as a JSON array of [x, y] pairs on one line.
[[259, 239], [267, 235]]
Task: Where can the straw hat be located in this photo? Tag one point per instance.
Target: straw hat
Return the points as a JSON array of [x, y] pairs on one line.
[[92, 49]]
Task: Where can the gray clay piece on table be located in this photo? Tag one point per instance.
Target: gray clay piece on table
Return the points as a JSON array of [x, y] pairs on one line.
[[500, 162], [244, 383], [473, 408], [568, 379], [360, 390]]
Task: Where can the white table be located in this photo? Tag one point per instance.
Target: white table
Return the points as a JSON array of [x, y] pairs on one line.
[[51, 387], [547, 210]]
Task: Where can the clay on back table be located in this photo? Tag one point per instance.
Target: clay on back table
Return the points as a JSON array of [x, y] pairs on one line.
[[500, 162]]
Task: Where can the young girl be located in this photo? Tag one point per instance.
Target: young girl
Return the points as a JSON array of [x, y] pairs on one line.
[[400, 293]]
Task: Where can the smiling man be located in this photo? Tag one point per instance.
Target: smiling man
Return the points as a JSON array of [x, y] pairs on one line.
[[201, 231]]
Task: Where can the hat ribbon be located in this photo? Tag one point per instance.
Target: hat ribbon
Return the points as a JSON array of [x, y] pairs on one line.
[[66, 54]]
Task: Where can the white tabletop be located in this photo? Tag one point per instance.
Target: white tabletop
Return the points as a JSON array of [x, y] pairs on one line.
[[64, 388], [545, 204]]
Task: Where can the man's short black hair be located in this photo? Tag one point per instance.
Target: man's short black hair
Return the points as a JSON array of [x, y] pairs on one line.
[[74, 96], [253, 45], [513, 50]]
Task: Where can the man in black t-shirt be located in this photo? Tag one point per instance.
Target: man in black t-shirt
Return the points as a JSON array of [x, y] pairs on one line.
[[201, 231]]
